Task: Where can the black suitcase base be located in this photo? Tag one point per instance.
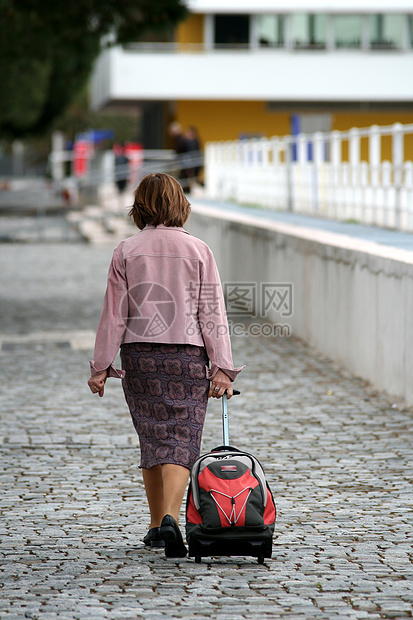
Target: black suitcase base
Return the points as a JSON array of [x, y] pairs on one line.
[[260, 549]]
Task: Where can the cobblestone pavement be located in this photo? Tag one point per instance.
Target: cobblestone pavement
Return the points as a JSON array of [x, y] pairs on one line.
[[338, 458]]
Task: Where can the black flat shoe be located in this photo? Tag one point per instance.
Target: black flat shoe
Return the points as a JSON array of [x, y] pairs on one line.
[[153, 538], [171, 534]]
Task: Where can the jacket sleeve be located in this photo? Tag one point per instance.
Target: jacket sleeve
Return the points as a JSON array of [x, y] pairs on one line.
[[112, 322], [213, 322]]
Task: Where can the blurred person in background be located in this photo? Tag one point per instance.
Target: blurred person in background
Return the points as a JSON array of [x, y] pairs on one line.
[[121, 170], [180, 146], [193, 148]]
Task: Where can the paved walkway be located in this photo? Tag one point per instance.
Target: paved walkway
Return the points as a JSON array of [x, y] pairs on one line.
[[337, 455]]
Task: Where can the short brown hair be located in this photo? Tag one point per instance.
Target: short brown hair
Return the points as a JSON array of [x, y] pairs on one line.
[[159, 199]]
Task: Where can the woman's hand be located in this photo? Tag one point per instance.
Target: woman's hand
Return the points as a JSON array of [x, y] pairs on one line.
[[219, 384], [97, 383]]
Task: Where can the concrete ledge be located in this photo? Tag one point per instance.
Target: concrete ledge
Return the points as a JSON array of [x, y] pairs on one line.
[[351, 297]]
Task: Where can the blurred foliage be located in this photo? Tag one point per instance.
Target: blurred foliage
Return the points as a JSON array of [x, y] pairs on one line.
[[78, 118], [47, 50]]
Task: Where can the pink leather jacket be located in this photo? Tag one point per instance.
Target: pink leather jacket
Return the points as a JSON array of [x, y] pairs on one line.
[[163, 286]]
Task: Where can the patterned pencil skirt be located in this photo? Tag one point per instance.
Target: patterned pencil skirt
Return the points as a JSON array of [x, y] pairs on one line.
[[166, 390]]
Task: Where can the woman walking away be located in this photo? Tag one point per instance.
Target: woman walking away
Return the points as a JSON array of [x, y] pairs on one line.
[[164, 308]]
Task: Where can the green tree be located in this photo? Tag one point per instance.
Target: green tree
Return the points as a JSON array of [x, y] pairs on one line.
[[47, 50]]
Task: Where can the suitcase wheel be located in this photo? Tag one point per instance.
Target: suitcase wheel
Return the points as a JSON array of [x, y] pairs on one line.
[[261, 558], [198, 558]]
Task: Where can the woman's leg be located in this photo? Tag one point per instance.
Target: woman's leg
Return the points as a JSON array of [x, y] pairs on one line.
[[153, 481], [175, 479], [165, 487]]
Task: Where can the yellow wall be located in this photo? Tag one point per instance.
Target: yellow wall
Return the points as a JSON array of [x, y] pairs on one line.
[[227, 120], [191, 30], [346, 120]]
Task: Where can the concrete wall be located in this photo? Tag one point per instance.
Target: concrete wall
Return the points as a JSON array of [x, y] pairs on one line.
[[352, 298]]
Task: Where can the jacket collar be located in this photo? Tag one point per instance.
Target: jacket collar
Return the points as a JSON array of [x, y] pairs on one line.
[[163, 227]]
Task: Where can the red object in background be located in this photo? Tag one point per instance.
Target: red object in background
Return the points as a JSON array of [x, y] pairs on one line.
[[134, 152], [82, 150], [66, 197]]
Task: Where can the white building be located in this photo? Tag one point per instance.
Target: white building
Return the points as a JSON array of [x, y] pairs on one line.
[[269, 67]]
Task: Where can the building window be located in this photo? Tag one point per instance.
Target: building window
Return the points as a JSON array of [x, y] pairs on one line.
[[232, 31], [309, 31], [270, 30], [348, 31], [386, 32]]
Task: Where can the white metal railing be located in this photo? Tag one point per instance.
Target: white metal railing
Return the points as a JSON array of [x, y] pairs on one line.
[[320, 174], [291, 46]]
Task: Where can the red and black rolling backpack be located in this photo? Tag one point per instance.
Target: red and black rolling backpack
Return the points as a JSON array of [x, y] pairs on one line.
[[230, 509]]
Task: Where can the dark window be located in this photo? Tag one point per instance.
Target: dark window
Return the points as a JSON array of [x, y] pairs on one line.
[[232, 30]]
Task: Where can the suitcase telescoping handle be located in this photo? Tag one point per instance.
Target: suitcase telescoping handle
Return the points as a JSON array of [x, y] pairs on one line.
[[225, 422]]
